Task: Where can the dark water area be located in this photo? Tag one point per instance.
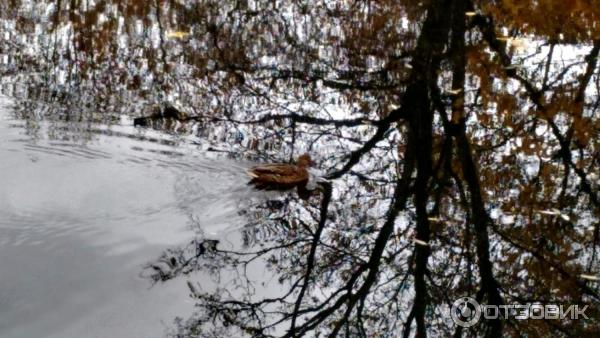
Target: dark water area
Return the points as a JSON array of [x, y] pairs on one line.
[[78, 221]]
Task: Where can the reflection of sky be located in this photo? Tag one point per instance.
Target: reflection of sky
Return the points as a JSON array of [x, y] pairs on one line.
[[78, 223]]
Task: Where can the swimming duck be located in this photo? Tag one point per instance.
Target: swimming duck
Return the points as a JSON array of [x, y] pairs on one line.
[[283, 176]]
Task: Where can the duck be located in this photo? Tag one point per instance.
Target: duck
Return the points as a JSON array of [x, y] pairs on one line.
[[156, 120], [284, 176]]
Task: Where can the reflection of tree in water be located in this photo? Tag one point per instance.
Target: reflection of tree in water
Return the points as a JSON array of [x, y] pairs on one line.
[[273, 240], [462, 160]]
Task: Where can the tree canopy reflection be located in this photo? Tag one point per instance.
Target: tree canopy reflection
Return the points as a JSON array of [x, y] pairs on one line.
[[460, 139]]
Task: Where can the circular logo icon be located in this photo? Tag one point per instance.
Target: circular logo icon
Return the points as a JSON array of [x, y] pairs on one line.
[[465, 312]]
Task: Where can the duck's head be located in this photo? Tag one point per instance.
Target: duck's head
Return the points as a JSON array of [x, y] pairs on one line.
[[305, 161]]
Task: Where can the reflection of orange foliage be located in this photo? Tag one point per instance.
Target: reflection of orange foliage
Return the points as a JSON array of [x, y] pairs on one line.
[[574, 19]]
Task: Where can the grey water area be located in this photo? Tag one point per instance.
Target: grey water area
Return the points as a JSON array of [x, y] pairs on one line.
[[79, 220]]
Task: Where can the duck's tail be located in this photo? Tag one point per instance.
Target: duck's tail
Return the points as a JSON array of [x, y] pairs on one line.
[[251, 173]]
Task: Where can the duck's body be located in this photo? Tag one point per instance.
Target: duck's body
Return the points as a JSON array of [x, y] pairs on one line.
[[282, 176]]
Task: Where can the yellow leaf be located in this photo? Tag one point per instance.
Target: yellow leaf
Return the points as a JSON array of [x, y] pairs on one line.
[[420, 242], [590, 277], [177, 34]]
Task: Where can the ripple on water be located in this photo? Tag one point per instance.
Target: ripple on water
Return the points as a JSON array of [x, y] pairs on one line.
[[80, 215]]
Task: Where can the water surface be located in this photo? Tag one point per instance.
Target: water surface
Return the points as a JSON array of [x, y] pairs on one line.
[[82, 211]]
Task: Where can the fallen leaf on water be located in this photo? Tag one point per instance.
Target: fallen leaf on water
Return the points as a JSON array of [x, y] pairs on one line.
[[177, 34], [552, 212], [420, 242], [590, 277]]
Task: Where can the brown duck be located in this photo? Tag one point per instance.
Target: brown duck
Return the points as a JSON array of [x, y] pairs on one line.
[[282, 176]]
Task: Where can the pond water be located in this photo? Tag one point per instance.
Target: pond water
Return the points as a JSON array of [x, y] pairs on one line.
[[79, 219]]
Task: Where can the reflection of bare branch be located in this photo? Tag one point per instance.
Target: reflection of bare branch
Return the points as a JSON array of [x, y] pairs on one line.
[[311, 256]]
